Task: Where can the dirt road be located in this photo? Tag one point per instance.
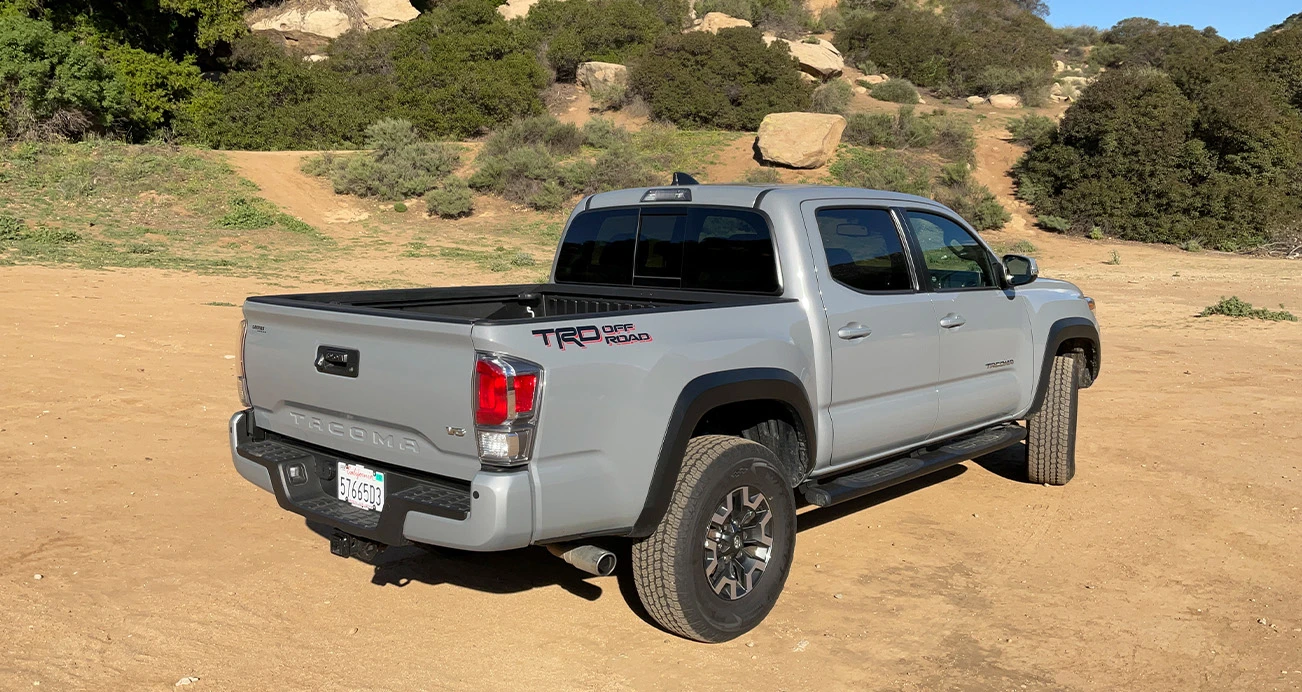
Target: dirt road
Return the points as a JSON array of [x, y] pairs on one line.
[[1171, 562]]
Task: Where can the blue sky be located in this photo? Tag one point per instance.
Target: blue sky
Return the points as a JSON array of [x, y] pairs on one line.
[[1232, 18]]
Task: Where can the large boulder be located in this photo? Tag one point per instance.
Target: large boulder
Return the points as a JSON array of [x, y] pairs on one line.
[[713, 21], [976, 100], [820, 59], [512, 9], [601, 74], [1006, 101], [313, 23], [800, 140], [875, 79], [382, 14]]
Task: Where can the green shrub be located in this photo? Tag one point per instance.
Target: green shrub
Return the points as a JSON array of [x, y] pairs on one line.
[[616, 169], [399, 207], [399, 165], [782, 17], [1056, 224], [1032, 130], [455, 71], [880, 170], [1095, 233], [895, 91], [570, 32], [1233, 307], [730, 80], [1207, 152], [11, 227], [519, 175], [451, 199], [1191, 245], [832, 97], [558, 138], [53, 86], [1030, 83], [609, 97], [948, 136], [248, 214], [604, 134], [870, 130], [156, 88]]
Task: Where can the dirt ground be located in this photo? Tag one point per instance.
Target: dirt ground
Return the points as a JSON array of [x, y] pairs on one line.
[[1171, 562]]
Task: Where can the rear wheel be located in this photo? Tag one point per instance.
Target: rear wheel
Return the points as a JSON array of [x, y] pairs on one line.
[[1051, 431], [714, 566]]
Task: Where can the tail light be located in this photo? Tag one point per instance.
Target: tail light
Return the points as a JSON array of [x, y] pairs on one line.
[[506, 405], [239, 372]]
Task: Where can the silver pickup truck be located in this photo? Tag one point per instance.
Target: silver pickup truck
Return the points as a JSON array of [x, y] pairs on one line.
[[704, 359]]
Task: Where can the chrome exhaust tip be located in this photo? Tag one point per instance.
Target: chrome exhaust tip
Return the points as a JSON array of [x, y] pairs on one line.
[[589, 558]]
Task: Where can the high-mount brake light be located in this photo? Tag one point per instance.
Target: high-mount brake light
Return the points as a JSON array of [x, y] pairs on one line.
[[506, 403], [677, 194]]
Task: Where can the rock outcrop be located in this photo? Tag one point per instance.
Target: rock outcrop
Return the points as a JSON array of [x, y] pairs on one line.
[[800, 140], [821, 59], [512, 9], [313, 23], [1006, 101], [601, 74], [713, 21]]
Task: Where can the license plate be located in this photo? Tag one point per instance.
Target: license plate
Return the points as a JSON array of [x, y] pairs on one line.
[[361, 487]]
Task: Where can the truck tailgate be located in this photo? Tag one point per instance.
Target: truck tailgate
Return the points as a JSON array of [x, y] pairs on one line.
[[399, 396]]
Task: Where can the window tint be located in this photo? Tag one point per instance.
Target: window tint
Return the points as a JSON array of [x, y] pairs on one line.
[[671, 247], [954, 259], [863, 249], [598, 248]]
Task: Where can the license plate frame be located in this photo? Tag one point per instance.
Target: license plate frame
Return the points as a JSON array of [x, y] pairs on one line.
[[360, 486]]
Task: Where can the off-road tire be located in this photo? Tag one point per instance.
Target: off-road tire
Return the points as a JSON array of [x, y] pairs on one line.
[[1051, 431], [668, 566]]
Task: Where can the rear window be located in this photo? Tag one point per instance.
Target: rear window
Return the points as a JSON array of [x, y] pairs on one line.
[[697, 248]]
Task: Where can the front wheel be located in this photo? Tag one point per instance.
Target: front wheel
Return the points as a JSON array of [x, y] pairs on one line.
[[714, 566], [1051, 431]]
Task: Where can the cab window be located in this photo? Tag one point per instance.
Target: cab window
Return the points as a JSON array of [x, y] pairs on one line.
[[863, 249], [954, 259]]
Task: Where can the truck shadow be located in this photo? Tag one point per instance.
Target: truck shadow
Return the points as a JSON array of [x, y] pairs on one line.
[[505, 572], [1009, 463]]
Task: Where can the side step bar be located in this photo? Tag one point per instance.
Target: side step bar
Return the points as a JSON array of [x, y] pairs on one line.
[[825, 493]]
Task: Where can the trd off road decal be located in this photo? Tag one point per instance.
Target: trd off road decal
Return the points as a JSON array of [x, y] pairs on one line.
[[609, 334]]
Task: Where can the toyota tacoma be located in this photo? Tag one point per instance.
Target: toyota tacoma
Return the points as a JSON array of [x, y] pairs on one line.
[[703, 360]]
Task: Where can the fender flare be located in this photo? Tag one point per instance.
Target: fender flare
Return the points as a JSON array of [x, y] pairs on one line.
[[698, 398], [1060, 332]]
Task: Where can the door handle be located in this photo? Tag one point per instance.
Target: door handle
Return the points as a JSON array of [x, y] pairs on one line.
[[952, 320], [853, 331]]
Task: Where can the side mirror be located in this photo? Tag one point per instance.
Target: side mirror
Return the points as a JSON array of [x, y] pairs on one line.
[[1020, 270]]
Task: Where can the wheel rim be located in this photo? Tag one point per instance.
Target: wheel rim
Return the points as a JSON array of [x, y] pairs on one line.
[[738, 543]]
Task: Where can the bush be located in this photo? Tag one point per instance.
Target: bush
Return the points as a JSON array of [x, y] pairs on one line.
[[400, 165], [157, 89], [1233, 307], [455, 71], [609, 97], [53, 86], [248, 214], [399, 207], [1032, 130], [957, 190], [1056, 224], [1031, 84], [832, 97], [895, 91], [11, 227], [952, 50], [763, 176], [783, 17], [880, 170], [570, 32], [949, 137], [520, 176], [556, 137], [451, 199], [604, 134], [730, 80]]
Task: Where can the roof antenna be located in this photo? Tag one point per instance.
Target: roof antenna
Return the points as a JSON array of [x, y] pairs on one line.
[[681, 178]]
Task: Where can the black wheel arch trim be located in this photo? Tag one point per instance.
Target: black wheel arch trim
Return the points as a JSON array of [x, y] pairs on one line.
[[1060, 332], [698, 398]]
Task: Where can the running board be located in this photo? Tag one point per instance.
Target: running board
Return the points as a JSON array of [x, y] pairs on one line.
[[832, 491]]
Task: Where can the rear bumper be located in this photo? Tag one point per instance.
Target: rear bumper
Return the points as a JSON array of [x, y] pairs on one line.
[[492, 512]]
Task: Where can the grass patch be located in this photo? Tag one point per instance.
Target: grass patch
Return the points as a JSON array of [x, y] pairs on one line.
[[221, 304], [1234, 307], [499, 259], [1020, 247], [107, 204]]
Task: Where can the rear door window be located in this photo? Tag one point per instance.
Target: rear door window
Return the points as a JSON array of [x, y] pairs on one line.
[[864, 250], [694, 248]]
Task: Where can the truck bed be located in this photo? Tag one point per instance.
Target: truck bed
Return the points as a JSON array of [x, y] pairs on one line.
[[517, 303]]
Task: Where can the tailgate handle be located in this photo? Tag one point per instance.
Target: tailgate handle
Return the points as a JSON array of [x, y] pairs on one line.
[[332, 360]]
